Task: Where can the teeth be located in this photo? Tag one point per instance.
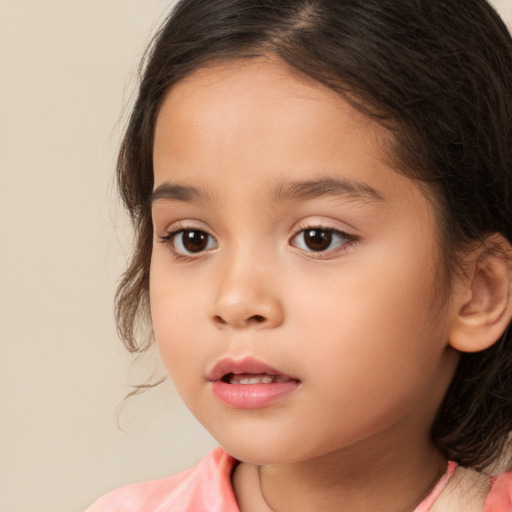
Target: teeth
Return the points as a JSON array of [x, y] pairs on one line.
[[256, 379]]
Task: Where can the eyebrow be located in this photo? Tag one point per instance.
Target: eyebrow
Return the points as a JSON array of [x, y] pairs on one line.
[[288, 191], [176, 192], [326, 186]]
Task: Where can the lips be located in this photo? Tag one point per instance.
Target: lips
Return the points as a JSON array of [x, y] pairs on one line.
[[246, 366], [249, 383], [249, 378]]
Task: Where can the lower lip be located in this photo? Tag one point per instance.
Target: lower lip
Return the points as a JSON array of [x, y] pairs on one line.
[[252, 396]]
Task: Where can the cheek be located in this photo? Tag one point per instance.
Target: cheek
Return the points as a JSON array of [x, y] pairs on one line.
[[174, 307], [178, 343], [373, 327]]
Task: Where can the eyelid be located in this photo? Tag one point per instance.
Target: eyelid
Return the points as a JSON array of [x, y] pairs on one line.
[[180, 225], [322, 225], [170, 233]]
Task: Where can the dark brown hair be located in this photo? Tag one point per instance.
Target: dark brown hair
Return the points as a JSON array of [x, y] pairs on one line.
[[436, 73]]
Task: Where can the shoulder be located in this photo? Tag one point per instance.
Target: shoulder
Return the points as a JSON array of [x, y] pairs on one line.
[[499, 498], [206, 486]]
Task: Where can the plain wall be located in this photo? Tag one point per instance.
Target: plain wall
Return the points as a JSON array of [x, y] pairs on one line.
[[67, 74]]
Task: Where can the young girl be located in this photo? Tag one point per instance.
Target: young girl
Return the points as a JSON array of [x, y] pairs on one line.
[[322, 197]]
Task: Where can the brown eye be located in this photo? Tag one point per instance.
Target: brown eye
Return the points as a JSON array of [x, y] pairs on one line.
[[192, 241], [319, 239]]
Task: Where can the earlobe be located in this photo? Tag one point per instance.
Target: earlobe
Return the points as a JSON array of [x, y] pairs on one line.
[[484, 307]]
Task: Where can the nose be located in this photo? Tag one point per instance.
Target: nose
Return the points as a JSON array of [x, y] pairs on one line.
[[246, 297]]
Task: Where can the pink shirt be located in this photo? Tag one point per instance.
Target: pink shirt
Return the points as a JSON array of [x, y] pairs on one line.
[[207, 488]]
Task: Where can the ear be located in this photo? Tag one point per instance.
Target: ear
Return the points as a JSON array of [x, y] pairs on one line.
[[483, 306]]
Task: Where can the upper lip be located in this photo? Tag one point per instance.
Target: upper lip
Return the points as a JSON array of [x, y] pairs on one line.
[[248, 365]]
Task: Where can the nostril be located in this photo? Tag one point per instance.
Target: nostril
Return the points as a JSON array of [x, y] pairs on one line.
[[219, 320], [240, 321]]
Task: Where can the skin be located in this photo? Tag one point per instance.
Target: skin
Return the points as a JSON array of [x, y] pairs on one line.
[[361, 324]]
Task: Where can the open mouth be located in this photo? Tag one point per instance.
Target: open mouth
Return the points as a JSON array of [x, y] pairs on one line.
[[247, 371], [250, 384], [250, 378]]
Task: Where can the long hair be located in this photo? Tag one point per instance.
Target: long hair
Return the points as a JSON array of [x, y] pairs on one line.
[[437, 75]]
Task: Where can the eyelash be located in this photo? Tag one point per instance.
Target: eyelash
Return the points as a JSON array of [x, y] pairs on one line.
[[348, 241], [169, 237]]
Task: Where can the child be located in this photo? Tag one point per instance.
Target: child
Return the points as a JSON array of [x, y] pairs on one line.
[[322, 197]]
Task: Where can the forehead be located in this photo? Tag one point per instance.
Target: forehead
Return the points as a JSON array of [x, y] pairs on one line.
[[259, 111], [251, 82], [240, 79]]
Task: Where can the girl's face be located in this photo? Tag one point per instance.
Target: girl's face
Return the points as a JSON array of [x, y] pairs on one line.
[[294, 272]]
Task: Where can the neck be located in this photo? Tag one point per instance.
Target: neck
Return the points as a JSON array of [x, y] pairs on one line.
[[386, 477], [389, 483]]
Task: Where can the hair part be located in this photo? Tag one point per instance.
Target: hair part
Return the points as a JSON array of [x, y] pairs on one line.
[[436, 76]]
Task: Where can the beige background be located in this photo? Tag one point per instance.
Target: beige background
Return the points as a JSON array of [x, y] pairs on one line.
[[67, 72]]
